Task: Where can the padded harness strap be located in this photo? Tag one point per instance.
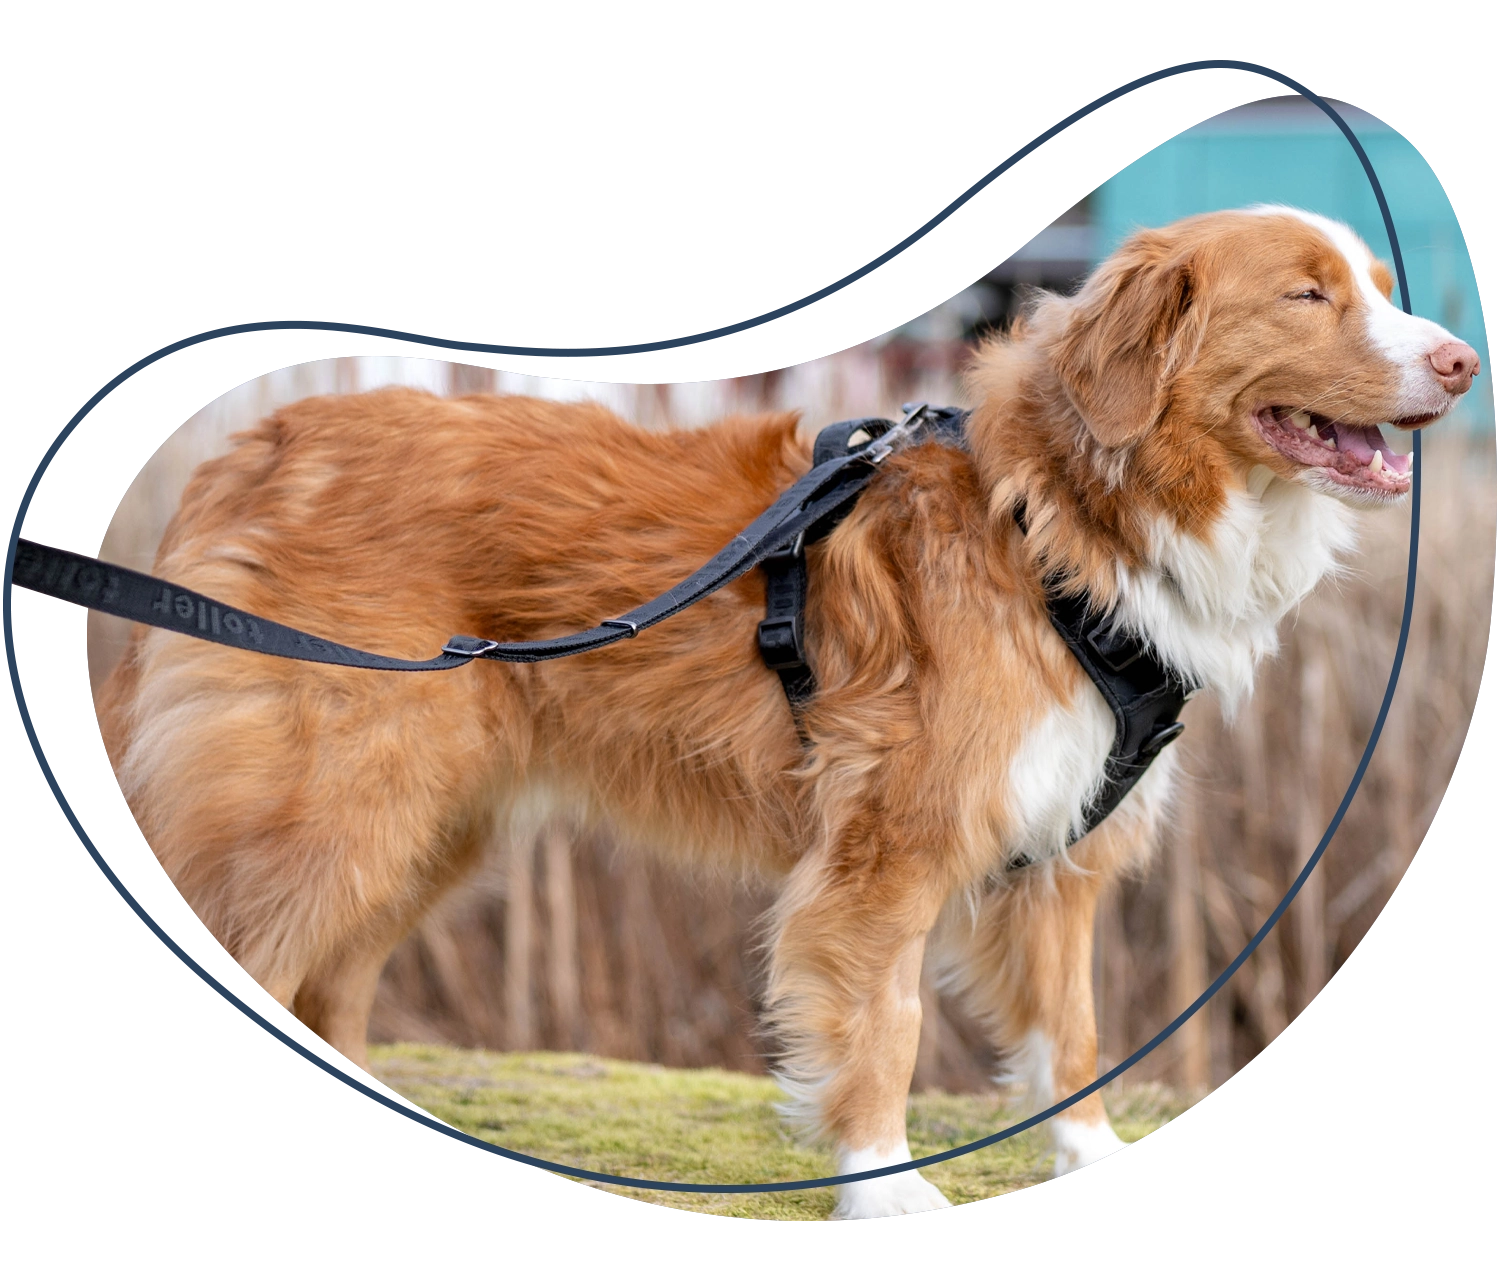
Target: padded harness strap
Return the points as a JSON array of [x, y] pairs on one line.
[[781, 632], [1143, 694]]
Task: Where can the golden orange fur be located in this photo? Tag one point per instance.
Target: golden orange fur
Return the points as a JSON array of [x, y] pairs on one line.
[[310, 814]]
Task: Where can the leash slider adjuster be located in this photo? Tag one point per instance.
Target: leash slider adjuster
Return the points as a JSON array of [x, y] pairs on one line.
[[470, 646]]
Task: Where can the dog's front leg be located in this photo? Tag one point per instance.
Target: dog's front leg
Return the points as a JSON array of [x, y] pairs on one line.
[[1023, 966], [851, 929]]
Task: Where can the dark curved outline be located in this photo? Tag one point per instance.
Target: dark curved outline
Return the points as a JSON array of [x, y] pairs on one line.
[[967, 195]]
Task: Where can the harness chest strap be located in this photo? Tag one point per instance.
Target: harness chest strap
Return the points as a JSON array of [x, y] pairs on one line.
[[1144, 696]]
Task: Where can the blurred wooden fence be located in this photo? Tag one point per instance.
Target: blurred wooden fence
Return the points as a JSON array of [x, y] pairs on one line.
[[566, 943]]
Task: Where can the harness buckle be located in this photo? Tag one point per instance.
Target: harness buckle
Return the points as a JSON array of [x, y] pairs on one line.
[[1160, 740], [781, 643]]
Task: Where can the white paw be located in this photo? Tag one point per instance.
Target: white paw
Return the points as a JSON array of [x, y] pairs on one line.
[[1078, 1145], [895, 1195]]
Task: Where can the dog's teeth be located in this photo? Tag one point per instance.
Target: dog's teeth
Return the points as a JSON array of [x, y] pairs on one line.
[[1377, 463], [1331, 443], [1300, 419]]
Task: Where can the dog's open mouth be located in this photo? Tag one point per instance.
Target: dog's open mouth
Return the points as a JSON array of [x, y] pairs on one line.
[[1355, 456]]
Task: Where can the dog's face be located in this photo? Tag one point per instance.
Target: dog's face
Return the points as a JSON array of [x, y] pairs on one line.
[[1269, 334]]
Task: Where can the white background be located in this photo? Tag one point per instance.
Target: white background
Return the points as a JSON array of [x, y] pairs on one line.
[[611, 175]]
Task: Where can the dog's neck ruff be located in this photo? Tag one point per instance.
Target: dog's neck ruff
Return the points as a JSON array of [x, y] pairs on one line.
[[1144, 695]]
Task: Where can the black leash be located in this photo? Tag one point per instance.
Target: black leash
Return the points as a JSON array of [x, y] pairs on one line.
[[822, 495]]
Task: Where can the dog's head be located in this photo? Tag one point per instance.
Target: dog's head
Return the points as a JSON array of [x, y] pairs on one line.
[[1269, 333]]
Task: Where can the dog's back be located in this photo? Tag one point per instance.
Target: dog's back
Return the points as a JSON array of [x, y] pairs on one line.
[[391, 521]]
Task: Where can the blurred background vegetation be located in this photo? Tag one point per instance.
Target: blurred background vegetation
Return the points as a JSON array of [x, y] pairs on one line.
[[565, 943]]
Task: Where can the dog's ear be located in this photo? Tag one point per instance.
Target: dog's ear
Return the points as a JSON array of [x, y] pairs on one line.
[[1120, 345]]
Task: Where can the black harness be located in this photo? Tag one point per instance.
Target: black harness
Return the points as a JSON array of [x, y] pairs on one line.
[[1144, 696]]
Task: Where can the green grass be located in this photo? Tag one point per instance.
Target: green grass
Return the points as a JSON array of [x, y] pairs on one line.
[[710, 1126]]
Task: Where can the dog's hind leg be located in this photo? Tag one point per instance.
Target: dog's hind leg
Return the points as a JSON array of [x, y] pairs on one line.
[[306, 816], [1023, 967], [336, 997], [850, 931]]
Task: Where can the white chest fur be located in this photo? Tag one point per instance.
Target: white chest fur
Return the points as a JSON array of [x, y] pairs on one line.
[[1211, 605], [1058, 768]]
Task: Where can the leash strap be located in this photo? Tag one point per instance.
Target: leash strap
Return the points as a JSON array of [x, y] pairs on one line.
[[145, 599], [821, 495]]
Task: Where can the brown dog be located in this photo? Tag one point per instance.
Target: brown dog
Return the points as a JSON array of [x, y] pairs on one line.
[[1184, 435]]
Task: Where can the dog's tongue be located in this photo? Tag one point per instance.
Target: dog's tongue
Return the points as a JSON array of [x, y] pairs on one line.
[[1363, 442]]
